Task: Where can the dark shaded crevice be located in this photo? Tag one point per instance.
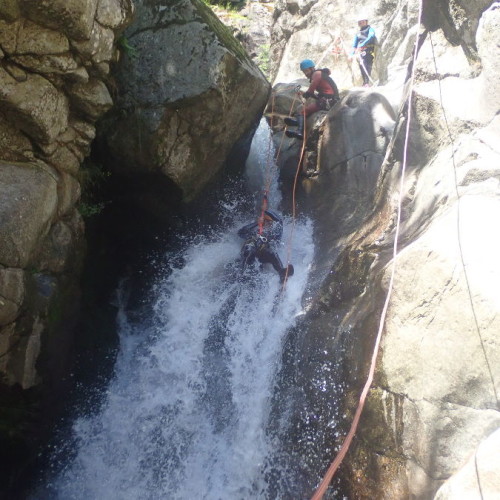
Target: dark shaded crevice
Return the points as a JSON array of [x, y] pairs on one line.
[[133, 240]]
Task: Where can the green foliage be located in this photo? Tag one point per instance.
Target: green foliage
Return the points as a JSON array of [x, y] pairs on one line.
[[263, 59], [222, 31], [225, 4], [227, 8], [89, 209], [92, 177], [123, 44]]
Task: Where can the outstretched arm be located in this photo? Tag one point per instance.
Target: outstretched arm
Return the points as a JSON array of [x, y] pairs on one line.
[[248, 230]]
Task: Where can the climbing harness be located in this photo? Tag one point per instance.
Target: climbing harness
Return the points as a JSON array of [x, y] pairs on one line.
[[318, 495], [340, 48]]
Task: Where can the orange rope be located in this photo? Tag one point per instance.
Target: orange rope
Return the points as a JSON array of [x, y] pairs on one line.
[[268, 169], [268, 178], [318, 495], [294, 190]]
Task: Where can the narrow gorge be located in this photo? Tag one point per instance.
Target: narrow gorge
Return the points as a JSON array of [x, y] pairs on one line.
[[136, 137]]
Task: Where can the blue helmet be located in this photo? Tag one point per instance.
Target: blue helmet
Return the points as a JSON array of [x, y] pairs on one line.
[[306, 63]]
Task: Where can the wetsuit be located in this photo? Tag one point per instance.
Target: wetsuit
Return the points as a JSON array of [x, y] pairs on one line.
[[326, 94], [365, 40], [324, 89], [263, 246]]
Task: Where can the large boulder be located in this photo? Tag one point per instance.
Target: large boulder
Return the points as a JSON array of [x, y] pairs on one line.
[[29, 203], [40, 109], [187, 93], [479, 477], [74, 17], [469, 92]]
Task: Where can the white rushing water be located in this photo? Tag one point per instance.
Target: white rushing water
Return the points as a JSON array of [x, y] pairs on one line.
[[186, 411]]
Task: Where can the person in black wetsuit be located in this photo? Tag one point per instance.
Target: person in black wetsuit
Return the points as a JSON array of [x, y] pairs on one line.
[[262, 245]]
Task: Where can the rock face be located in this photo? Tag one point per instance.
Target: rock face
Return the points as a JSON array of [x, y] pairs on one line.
[[186, 93], [482, 470], [54, 57], [54, 60], [435, 398], [251, 25]]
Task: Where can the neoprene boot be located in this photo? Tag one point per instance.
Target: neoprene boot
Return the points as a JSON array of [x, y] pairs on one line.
[[299, 134]]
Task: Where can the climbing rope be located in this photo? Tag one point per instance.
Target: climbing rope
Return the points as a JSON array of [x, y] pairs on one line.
[[321, 490], [342, 50], [361, 62], [294, 190], [267, 175], [270, 162], [459, 236], [340, 47]]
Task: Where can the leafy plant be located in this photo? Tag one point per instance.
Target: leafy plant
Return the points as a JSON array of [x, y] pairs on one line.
[[263, 59], [92, 177], [229, 8], [90, 209], [123, 44]]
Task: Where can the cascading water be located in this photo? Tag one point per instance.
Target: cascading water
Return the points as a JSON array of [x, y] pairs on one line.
[[186, 414]]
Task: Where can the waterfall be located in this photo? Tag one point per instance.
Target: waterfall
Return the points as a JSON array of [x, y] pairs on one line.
[[186, 413]]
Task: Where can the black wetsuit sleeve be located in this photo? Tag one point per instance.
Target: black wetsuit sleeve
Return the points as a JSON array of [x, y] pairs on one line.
[[248, 230]]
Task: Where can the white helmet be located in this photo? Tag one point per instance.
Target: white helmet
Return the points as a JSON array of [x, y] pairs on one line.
[[362, 17]]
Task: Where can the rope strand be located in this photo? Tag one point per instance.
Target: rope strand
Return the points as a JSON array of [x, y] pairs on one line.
[[318, 495]]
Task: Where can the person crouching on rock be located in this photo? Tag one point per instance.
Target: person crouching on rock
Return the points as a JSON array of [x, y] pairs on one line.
[[261, 239], [324, 91]]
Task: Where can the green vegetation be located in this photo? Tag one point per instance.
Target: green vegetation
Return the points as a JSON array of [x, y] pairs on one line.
[[92, 177], [263, 60], [227, 9], [123, 44], [89, 209], [225, 4], [222, 32]]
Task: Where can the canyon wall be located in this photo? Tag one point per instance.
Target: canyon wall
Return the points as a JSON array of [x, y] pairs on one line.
[[434, 401]]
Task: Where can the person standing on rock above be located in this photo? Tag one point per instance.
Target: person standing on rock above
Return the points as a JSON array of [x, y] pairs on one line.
[[364, 47], [322, 89]]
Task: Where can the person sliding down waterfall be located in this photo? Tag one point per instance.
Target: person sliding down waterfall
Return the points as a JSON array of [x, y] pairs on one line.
[[323, 90], [261, 238]]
